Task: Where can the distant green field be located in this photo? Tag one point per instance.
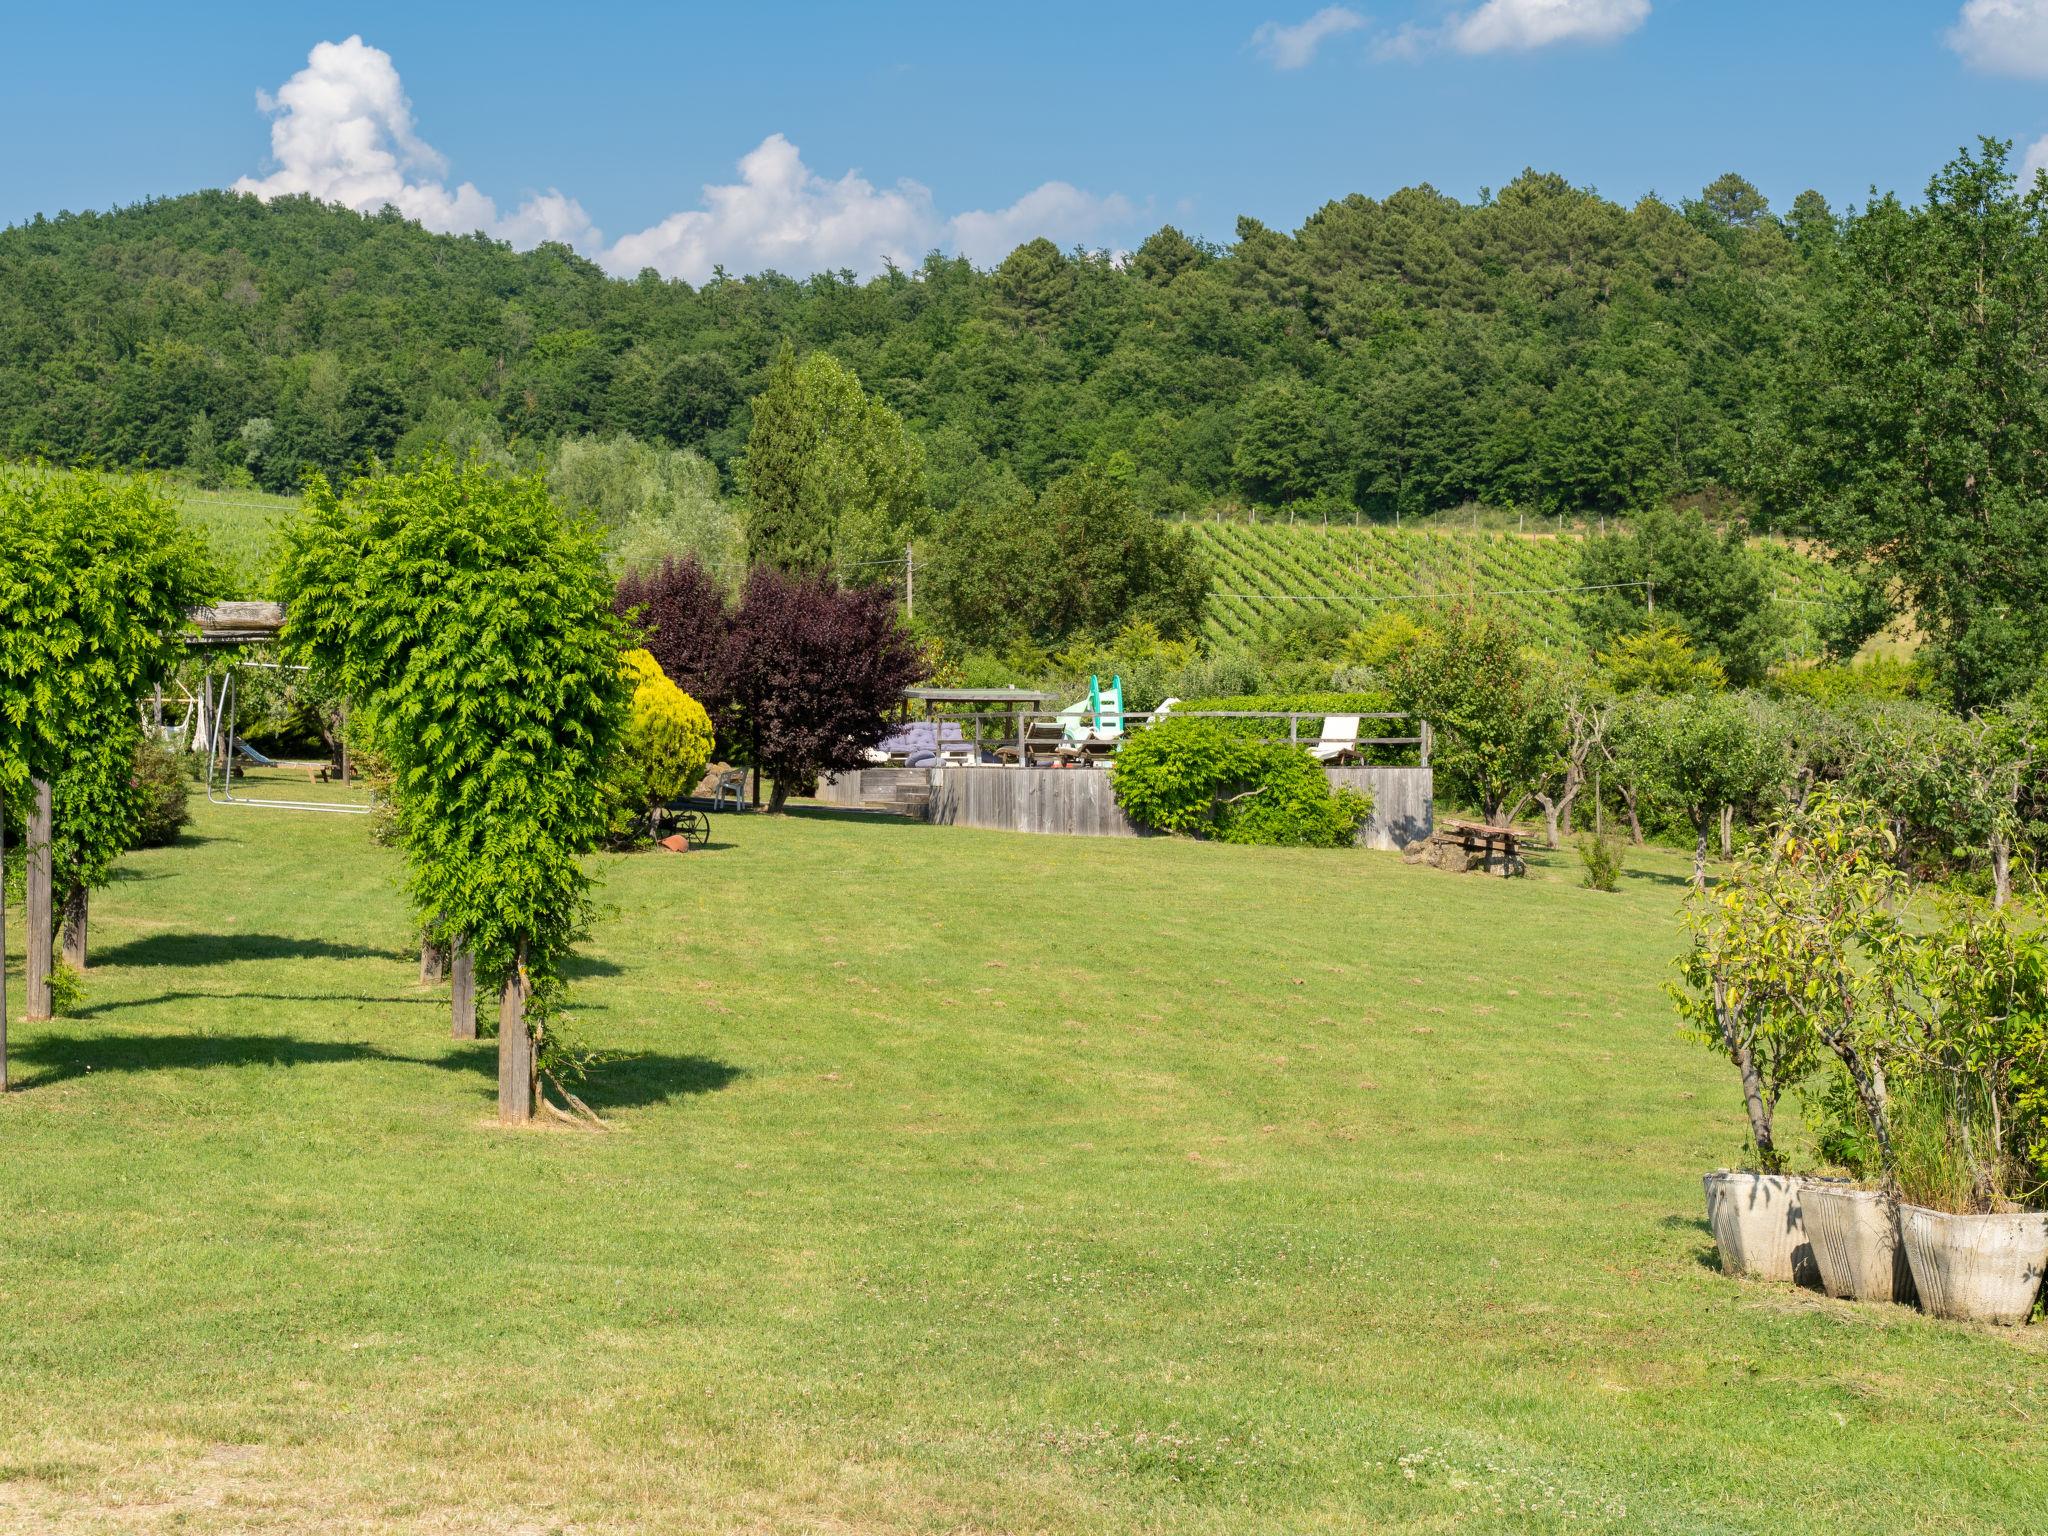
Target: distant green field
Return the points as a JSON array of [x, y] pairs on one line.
[[239, 525], [1266, 571]]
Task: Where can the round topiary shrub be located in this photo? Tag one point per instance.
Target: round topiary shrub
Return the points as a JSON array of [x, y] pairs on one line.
[[1201, 779], [666, 744]]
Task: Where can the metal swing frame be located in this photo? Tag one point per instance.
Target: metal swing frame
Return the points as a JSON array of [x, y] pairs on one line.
[[219, 712]]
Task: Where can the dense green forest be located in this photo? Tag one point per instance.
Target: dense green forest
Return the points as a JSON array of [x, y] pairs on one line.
[[1874, 378], [1543, 348]]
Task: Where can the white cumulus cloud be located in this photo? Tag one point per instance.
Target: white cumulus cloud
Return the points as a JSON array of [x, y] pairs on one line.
[[1063, 213], [1294, 47], [783, 215], [2036, 161], [1518, 25], [342, 130], [2003, 37]]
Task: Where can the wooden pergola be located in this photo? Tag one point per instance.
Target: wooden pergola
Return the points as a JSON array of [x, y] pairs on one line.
[[236, 623]]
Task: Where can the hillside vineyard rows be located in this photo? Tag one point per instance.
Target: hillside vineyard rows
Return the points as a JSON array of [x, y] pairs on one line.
[[1262, 572]]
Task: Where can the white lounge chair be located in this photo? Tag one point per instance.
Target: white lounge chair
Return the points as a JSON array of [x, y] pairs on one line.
[[1339, 739]]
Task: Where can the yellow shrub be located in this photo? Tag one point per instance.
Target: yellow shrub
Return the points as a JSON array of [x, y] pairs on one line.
[[668, 737]]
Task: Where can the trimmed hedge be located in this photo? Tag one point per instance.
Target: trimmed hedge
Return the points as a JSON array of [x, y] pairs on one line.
[[1199, 779]]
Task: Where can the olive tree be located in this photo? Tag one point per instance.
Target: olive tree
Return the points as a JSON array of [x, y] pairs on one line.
[[474, 620]]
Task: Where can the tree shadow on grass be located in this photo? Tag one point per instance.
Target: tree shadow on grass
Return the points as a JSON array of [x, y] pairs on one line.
[[95, 1010], [858, 818], [624, 1082], [1708, 1257], [1662, 877], [226, 948]]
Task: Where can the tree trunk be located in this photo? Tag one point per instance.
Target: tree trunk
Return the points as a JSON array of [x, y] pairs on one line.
[[464, 992], [777, 794], [2001, 872], [515, 1049], [1752, 1081], [76, 902], [3, 951], [40, 939], [1550, 810], [433, 961], [1727, 832], [1699, 857], [1635, 824]]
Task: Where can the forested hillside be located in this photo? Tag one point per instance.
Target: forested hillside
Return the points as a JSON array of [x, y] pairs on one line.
[[1543, 347]]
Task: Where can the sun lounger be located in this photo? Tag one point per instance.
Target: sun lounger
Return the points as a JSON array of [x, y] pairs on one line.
[[1339, 740]]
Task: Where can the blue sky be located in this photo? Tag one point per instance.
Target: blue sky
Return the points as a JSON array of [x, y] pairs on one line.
[[975, 126]]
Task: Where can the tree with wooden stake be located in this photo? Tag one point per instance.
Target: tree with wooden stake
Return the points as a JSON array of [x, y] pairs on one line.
[[473, 622], [96, 577]]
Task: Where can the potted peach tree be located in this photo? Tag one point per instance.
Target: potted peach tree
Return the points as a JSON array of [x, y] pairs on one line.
[[1733, 997]]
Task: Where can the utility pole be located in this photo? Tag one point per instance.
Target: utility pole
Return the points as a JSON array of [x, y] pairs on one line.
[[910, 581], [1650, 590]]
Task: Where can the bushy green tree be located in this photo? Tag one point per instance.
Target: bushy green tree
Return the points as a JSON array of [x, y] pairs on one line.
[[474, 622], [1915, 429], [1282, 445], [1700, 755], [97, 575], [655, 504], [1473, 679], [833, 480], [1083, 559], [1708, 585], [1660, 660]]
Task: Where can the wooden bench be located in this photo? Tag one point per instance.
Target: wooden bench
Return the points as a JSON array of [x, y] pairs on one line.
[[1468, 845]]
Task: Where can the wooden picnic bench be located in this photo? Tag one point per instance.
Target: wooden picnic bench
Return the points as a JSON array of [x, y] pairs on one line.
[[1469, 845]]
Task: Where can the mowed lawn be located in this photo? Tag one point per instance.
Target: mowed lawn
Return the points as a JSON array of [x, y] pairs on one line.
[[959, 1182]]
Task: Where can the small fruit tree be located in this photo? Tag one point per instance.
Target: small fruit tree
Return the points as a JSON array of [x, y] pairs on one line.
[[1497, 720], [474, 621], [96, 577]]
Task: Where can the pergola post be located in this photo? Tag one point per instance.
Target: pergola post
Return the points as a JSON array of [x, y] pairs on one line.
[[40, 937], [464, 991], [3, 950], [515, 1048]]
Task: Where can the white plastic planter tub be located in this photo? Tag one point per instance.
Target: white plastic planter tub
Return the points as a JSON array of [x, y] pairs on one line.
[[1758, 1226], [1976, 1269], [1856, 1243]]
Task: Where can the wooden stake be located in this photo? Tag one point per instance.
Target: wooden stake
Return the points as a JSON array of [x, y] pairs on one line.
[[515, 1049], [3, 951], [464, 990], [40, 938]]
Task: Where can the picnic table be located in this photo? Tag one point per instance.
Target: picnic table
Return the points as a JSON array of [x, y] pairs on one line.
[[1468, 845]]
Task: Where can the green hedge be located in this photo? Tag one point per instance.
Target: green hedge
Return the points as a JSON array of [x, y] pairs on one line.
[[1199, 779], [1311, 703]]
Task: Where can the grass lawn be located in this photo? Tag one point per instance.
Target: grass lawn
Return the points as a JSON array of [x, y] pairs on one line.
[[960, 1182]]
